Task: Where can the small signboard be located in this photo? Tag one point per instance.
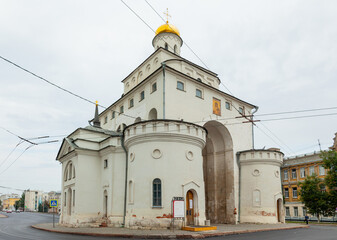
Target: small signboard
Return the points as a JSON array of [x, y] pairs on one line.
[[53, 203], [178, 209]]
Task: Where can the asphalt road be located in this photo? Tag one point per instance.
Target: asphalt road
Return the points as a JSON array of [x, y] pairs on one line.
[[18, 226]]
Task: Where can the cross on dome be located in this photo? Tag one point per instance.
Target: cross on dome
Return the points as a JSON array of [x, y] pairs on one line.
[[167, 15]]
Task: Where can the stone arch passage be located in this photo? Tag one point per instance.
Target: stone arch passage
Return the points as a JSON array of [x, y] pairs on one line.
[[218, 165]]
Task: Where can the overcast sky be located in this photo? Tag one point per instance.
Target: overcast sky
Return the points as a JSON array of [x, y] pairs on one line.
[[278, 55]]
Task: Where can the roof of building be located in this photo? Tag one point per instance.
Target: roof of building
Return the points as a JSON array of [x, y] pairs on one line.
[[167, 28]]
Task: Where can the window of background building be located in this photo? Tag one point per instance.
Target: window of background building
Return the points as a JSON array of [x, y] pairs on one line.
[[198, 93], [113, 114], [142, 95], [228, 105], [296, 211], [287, 211], [286, 192], [302, 171], [105, 163], [311, 170], [321, 170], [180, 86], [285, 174], [121, 109], [241, 110], [105, 119], [293, 174], [131, 103], [295, 192], [154, 87]]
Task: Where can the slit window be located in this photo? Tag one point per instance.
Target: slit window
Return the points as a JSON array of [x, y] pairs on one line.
[[121, 109], [198, 93], [154, 87], [228, 105], [180, 86], [131, 103], [142, 95]]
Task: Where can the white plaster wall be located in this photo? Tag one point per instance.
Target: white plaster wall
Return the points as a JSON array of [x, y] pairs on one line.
[[260, 170]]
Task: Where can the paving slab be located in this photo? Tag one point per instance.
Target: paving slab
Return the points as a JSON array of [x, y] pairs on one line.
[[222, 229]]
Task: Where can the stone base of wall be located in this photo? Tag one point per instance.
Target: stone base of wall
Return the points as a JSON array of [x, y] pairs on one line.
[[130, 222]]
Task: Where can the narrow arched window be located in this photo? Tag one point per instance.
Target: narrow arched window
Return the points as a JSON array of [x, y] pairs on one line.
[[156, 188], [70, 171], [175, 49], [166, 46]]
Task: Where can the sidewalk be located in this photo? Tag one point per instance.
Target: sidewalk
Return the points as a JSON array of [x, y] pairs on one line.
[[223, 229], [2, 216]]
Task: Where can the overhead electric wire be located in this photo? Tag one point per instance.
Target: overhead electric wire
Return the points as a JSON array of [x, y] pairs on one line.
[[11, 188], [284, 144], [296, 111], [270, 138], [16, 159], [297, 117], [6, 158], [49, 82]]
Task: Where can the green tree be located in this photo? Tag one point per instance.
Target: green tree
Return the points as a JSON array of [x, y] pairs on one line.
[[17, 205], [330, 163], [317, 201]]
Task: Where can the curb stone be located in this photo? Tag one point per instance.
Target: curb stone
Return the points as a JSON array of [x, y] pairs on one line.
[[168, 236]]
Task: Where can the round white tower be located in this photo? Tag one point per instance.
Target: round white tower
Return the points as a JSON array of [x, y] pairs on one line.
[[168, 37], [261, 199], [165, 161]]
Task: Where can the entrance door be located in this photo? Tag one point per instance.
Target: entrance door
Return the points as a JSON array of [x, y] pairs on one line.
[[189, 208]]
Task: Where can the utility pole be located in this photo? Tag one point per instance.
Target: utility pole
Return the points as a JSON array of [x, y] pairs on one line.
[[319, 144]]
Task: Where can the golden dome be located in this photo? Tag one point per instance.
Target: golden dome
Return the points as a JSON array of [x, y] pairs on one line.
[[168, 28]]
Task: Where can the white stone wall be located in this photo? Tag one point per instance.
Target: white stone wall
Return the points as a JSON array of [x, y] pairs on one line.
[[260, 186]]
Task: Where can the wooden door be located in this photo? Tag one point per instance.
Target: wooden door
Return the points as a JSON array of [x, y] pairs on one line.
[[189, 209], [279, 210]]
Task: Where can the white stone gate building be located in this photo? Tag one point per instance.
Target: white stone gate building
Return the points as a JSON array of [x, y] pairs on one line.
[[173, 133]]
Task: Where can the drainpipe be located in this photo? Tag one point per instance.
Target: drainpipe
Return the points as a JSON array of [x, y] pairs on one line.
[[238, 162], [163, 64], [126, 175], [255, 110]]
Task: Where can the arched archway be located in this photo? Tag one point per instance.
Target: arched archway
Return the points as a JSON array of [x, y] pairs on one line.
[[218, 164], [152, 114]]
